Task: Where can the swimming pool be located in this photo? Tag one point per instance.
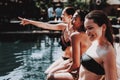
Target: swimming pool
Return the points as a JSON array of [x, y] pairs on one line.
[[26, 57]]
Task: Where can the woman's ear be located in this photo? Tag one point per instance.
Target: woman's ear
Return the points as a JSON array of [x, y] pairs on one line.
[[103, 27], [70, 16]]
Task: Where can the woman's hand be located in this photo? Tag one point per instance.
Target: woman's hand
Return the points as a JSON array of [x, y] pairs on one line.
[[24, 21], [67, 68]]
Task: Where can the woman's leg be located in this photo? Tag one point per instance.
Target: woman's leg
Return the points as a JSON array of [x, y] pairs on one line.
[[60, 76], [53, 65]]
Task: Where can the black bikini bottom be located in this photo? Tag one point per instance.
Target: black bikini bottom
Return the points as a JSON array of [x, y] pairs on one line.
[[65, 58], [75, 74]]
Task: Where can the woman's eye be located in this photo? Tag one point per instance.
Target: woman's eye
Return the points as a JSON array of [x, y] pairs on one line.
[[90, 28]]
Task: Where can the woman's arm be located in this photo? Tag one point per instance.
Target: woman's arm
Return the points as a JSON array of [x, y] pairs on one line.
[[109, 62], [60, 26], [75, 42]]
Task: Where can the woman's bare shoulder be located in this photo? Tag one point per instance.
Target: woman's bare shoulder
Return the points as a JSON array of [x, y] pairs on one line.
[[109, 51], [79, 35]]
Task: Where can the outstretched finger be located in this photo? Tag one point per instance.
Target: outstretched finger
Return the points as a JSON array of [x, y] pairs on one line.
[[20, 18]]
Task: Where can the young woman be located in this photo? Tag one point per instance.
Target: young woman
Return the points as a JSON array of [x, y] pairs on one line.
[[66, 16], [100, 58], [72, 71]]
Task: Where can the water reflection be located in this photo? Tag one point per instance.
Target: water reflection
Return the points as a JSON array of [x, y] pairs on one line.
[[27, 60]]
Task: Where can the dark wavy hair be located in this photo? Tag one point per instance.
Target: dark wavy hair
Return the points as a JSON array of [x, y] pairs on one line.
[[70, 10], [81, 14], [100, 18]]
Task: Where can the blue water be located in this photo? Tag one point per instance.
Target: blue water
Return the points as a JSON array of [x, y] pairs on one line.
[[27, 60]]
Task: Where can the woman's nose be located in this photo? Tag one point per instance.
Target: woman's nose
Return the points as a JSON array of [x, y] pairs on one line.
[[87, 31]]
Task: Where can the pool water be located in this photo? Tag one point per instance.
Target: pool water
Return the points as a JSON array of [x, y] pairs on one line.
[[25, 59]]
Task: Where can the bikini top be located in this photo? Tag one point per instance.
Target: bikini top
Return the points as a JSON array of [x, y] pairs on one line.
[[63, 42], [90, 64], [67, 43]]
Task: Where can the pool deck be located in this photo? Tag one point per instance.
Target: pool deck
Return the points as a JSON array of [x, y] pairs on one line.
[[32, 32]]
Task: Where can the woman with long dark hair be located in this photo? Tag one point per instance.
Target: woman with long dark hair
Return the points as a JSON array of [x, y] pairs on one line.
[[100, 58]]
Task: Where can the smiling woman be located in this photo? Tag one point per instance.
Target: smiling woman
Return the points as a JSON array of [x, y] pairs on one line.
[[101, 54]]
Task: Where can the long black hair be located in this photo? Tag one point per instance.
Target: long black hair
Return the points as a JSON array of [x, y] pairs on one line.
[[81, 14], [70, 10]]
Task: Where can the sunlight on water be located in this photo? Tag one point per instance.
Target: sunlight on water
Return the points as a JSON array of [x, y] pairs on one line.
[[27, 60]]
